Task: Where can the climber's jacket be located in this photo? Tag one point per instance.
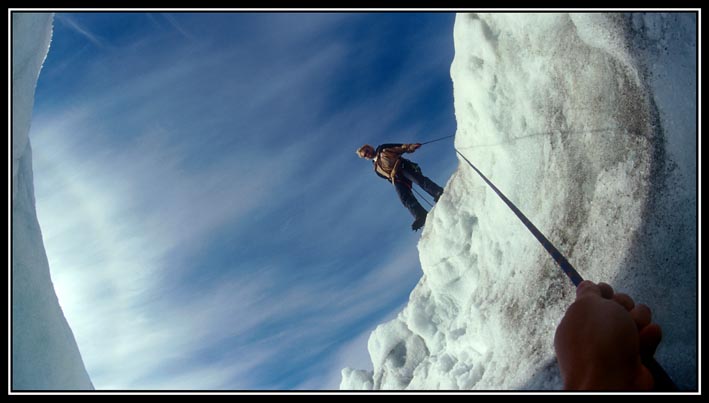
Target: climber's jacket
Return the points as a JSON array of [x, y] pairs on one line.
[[387, 159]]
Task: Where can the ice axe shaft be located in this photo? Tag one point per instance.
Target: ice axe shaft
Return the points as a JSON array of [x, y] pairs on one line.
[[663, 382], [573, 275]]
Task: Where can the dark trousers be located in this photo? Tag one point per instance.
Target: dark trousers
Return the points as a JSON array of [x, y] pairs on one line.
[[407, 173]]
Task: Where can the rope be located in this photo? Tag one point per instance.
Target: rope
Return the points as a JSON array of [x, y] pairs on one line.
[[663, 382], [412, 188], [532, 135], [421, 196], [442, 138]]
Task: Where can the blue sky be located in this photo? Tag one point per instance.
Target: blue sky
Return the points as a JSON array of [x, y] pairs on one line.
[[206, 219]]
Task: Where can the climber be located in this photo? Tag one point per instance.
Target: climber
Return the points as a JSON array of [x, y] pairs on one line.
[[401, 172]]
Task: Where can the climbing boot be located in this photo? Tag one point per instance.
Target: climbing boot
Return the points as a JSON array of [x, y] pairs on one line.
[[418, 223]]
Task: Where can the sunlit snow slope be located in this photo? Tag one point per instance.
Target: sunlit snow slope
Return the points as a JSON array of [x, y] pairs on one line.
[[588, 123]]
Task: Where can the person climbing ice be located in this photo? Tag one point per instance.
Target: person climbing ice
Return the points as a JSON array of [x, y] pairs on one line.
[[401, 172]]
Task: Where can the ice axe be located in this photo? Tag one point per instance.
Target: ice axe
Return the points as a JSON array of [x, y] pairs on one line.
[[663, 382]]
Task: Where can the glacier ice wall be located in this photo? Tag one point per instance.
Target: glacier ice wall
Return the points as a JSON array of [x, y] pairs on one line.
[[44, 352], [588, 123]]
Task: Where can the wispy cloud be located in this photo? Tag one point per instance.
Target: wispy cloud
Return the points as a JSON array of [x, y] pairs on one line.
[[177, 26], [137, 321], [78, 28], [205, 216]]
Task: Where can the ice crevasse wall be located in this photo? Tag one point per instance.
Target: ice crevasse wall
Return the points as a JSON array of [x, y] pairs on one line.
[[44, 352], [588, 123]]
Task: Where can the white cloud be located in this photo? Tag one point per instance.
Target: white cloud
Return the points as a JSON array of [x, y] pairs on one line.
[[177, 26], [78, 28], [109, 263], [118, 204], [109, 260]]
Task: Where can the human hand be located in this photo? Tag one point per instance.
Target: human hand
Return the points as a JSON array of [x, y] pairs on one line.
[[601, 338], [414, 147]]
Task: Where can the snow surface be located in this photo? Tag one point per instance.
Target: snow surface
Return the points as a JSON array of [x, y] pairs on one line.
[[588, 123], [44, 353]]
